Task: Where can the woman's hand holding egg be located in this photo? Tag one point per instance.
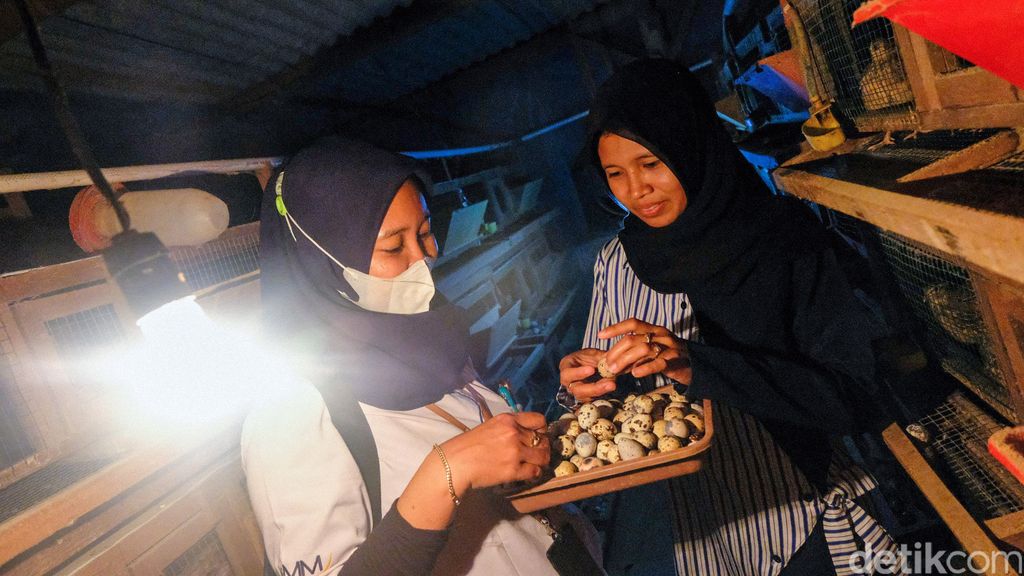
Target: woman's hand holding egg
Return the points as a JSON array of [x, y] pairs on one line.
[[645, 349]]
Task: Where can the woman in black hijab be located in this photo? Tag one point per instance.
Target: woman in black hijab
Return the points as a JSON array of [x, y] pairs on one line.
[[345, 253], [731, 294]]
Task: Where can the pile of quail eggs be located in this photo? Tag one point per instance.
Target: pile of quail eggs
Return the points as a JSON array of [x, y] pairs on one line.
[[607, 431]]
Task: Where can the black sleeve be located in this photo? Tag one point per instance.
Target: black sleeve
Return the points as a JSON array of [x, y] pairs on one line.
[[824, 382], [395, 548]]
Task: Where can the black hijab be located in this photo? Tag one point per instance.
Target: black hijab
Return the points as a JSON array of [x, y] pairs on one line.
[[731, 219], [339, 190]]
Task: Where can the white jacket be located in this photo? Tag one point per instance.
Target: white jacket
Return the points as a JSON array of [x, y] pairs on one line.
[[313, 508]]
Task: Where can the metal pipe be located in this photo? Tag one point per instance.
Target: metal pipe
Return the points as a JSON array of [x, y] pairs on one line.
[[73, 178]]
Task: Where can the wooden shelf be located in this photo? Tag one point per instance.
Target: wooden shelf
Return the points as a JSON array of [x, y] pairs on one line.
[[977, 217]]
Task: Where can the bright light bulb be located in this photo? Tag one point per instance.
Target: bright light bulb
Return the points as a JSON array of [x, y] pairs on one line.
[[190, 373]]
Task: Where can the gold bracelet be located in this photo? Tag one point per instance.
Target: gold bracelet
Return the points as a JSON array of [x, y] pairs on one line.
[[447, 475]]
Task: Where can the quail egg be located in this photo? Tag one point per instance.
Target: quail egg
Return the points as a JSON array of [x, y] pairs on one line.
[[603, 429], [639, 423], [666, 443], [564, 446], [586, 444], [587, 415], [646, 439], [630, 449], [565, 468], [643, 404]]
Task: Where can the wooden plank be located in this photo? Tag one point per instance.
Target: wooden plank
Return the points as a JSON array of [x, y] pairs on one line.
[[1006, 308], [47, 427], [918, 66], [215, 501], [59, 528], [72, 178], [977, 117], [963, 526], [1009, 529], [993, 242], [983, 154], [38, 281], [973, 87], [226, 497]]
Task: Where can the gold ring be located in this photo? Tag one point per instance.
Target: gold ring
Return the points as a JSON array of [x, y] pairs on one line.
[[535, 440], [649, 337], [658, 348]]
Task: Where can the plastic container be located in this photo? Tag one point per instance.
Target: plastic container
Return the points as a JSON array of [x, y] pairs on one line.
[[178, 217]]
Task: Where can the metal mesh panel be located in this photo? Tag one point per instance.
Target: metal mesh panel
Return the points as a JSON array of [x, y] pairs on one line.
[[79, 334], [205, 558], [925, 148], [942, 297], [15, 439], [861, 68], [959, 433], [44, 483], [1013, 163], [234, 254]]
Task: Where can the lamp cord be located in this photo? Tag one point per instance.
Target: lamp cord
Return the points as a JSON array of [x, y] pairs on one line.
[[67, 121]]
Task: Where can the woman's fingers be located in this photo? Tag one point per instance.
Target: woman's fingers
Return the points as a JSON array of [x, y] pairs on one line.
[[619, 328], [631, 326], [570, 375], [527, 471], [585, 391], [579, 366], [630, 350], [530, 420]]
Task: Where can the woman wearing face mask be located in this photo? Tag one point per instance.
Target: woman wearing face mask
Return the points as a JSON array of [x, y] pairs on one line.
[[397, 425], [730, 294]]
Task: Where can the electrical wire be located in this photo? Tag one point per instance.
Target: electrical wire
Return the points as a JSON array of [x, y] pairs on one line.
[[67, 121]]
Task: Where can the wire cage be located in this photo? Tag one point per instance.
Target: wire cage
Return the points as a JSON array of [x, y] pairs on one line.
[[956, 434], [860, 68], [233, 254], [17, 420], [941, 296]]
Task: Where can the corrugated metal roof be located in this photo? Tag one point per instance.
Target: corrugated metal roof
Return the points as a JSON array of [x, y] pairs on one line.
[[464, 37], [199, 50], [227, 51]]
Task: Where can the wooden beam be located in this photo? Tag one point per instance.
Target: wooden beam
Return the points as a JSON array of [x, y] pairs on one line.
[[989, 151], [71, 178], [1009, 529], [963, 526], [989, 240], [1005, 115]]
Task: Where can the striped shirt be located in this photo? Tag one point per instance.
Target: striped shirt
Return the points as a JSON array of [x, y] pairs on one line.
[[750, 509]]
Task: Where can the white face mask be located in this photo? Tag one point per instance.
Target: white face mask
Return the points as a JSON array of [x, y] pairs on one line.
[[408, 293]]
